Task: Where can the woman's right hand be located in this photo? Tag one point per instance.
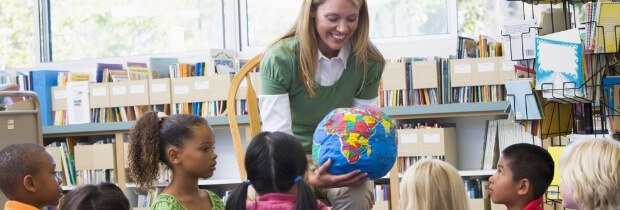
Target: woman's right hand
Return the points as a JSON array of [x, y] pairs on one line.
[[323, 179]]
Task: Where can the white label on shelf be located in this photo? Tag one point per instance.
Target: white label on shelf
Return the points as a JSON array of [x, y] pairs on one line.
[[432, 138], [486, 67], [158, 88], [60, 94], [100, 91], [201, 85], [120, 90], [462, 69], [508, 66], [181, 89], [409, 138], [136, 89]]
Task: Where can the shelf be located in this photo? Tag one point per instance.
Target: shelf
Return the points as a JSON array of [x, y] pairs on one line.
[[476, 173], [113, 127], [68, 188], [446, 110], [202, 182]]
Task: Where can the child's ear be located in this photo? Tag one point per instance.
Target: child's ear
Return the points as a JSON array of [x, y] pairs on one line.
[[28, 183], [524, 187], [173, 155]]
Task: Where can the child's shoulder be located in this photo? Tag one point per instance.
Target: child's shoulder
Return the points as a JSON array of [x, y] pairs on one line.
[[216, 202], [166, 201]]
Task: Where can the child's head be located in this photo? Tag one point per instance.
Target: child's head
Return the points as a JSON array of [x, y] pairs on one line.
[[28, 174], [181, 142], [524, 172], [590, 171], [432, 184], [275, 162], [105, 196]]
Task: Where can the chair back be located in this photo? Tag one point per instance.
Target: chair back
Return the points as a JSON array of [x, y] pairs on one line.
[[252, 104]]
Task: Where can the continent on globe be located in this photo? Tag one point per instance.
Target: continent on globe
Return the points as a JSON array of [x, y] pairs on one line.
[[356, 138]]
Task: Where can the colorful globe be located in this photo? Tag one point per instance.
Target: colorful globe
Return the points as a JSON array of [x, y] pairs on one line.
[[356, 138]]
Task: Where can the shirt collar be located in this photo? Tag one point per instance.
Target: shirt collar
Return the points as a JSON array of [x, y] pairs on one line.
[[16, 205], [343, 54]]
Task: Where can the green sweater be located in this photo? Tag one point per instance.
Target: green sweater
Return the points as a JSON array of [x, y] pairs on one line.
[[169, 202], [279, 75]]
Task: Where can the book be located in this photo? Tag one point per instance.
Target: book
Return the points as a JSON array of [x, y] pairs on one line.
[[608, 32], [555, 20], [523, 100], [559, 65], [101, 67], [160, 67], [518, 40], [42, 82], [223, 61]]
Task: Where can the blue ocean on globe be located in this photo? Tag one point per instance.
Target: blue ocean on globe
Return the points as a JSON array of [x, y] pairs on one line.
[[356, 138]]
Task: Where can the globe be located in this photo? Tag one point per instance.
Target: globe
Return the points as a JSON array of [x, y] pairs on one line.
[[356, 138]]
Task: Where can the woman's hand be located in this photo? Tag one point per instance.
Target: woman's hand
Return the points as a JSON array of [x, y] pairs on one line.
[[323, 179]]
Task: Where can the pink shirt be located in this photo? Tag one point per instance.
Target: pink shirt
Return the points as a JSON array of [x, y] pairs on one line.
[[277, 201]]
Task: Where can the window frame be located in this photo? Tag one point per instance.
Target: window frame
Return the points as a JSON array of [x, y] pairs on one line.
[[235, 37]]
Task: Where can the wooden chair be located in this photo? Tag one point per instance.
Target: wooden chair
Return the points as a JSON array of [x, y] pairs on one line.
[[252, 104]]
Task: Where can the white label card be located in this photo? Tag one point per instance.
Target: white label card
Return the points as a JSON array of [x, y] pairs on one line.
[[121, 90], [432, 138], [409, 138], [158, 88], [508, 66], [136, 89], [486, 67], [462, 69], [201, 85], [60, 94], [181, 90], [100, 91]]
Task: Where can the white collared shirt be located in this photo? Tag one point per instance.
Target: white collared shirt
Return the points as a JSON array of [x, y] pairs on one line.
[[275, 109]]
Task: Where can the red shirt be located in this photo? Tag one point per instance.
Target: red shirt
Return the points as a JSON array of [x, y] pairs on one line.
[[534, 205]]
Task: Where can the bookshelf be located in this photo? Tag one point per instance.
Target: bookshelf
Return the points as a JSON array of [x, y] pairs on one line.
[[226, 159]]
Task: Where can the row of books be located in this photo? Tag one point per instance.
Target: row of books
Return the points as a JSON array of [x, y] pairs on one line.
[[418, 81], [80, 163], [500, 134]]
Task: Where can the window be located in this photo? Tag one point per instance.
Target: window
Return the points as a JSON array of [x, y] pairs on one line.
[[392, 23], [115, 28], [17, 34]]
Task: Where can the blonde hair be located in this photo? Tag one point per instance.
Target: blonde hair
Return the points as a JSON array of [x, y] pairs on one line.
[[304, 29], [432, 184], [591, 169]]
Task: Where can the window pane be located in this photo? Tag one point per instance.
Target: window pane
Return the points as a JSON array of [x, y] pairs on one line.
[[400, 18], [268, 19], [388, 18], [17, 34], [98, 29]]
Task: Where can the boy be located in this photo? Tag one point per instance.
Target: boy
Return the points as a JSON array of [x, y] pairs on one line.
[[29, 179], [524, 172]]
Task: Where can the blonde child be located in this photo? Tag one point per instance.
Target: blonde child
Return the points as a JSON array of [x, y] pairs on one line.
[[185, 144], [276, 165], [28, 177], [590, 172], [524, 172], [104, 196], [432, 184]]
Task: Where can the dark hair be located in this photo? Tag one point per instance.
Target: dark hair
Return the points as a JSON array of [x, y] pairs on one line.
[[149, 139], [273, 161], [105, 196], [16, 162], [528, 161]]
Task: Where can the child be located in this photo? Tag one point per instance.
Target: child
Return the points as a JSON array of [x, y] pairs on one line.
[[105, 196], [524, 172], [276, 165], [432, 184], [590, 172], [185, 144], [28, 177]]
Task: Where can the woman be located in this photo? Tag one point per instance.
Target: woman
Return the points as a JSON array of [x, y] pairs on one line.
[[325, 61]]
